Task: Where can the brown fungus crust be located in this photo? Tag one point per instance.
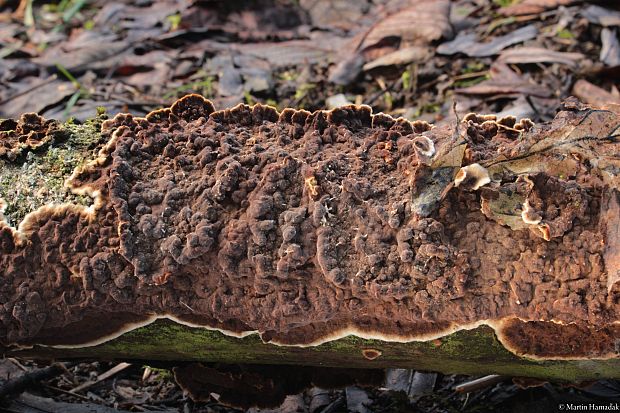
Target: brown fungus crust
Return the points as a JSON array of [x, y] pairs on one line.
[[305, 227], [29, 132]]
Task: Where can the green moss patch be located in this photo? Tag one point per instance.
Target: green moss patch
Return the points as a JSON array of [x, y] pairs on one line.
[[37, 178]]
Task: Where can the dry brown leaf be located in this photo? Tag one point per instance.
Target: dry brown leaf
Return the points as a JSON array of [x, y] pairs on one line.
[[293, 52], [533, 6], [400, 57], [424, 21], [504, 81], [593, 94], [540, 55], [468, 44]]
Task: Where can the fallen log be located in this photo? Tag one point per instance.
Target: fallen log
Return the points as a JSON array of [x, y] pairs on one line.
[[334, 238]]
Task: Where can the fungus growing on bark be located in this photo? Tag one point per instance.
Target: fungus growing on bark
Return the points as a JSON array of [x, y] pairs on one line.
[[294, 226], [29, 132], [371, 353], [472, 176]]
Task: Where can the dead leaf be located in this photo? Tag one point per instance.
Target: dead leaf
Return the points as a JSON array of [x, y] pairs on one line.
[[336, 101], [291, 404], [520, 108], [533, 6], [504, 81], [413, 383], [36, 99], [540, 55], [610, 51], [467, 43], [102, 53], [424, 21], [357, 400], [347, 70], [294, 52], [601, 15], [343, 14], [319, 398], [131, 395], [593, 94], [400, 57]]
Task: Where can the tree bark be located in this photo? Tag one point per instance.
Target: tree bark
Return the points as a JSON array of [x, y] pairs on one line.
[[340, 238]]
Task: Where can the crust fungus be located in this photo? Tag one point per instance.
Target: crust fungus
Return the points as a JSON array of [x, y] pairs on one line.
[[472, 176], [211, 218], [29, 132], [371, 353]]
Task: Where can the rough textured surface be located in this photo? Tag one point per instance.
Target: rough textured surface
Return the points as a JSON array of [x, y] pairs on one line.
[[36, 157], [29, 132], [306, 227]]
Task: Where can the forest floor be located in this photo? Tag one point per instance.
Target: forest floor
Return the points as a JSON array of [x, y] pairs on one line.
[[419, 59]]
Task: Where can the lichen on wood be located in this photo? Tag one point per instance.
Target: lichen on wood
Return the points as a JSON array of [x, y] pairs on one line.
[[36, 158], [309, 227]]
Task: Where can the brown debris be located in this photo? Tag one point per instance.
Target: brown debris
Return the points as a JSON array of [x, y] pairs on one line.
[[263, 385], [309, 226], [593, 94], [533, 6]]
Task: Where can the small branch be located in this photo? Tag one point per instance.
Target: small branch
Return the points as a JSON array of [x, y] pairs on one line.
[[22, 383], [479, 384], [114, 370]]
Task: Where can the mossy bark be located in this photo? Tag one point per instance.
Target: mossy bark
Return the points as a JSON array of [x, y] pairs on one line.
[[474, 352], [36, 178]]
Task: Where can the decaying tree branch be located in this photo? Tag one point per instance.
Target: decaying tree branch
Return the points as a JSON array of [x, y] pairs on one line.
[[350, 238]]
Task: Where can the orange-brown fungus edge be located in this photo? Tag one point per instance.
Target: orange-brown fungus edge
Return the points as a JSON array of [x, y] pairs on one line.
[[371, 353]]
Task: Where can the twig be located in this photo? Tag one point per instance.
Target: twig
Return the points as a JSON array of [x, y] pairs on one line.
[[384, 90], [114, 370], [471, 75], [21, 383], [67, 392], [17, 363], [30, 89], [479, 384]]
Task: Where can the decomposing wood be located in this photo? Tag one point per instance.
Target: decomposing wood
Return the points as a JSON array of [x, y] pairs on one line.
[[336, 238]]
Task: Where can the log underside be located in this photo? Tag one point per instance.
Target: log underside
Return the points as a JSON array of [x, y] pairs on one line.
[[485, 246], [474, 352]]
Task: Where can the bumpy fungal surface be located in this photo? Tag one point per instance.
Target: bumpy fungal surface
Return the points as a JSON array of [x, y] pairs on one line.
[[305, 227]]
